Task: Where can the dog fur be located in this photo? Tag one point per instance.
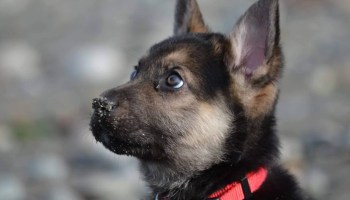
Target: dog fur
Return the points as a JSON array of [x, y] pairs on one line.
[[218, 123]]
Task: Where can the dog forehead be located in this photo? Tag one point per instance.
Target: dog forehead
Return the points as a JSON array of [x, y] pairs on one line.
[[190, 50]]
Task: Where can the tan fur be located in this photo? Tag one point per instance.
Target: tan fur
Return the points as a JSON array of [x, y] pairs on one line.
[[257, 101], [193, 20], [180, 133], [179, 55], [203, 145], [262, 101], [238, 37], [197, 27], [260, 72], [197, 24]]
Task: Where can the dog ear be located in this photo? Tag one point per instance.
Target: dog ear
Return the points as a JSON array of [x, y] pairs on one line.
[[188, 18], [255, 58], [255, 40]]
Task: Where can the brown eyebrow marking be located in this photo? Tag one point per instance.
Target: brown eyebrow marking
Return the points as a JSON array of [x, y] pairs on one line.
[[176, 56]]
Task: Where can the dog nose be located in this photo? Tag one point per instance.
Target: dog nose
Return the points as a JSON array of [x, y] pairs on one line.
[[103, 106]]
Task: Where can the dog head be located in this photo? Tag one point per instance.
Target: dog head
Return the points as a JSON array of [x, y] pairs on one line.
[[193, 99]]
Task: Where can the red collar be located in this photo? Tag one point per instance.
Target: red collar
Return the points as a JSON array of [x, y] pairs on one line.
[[242, 189]]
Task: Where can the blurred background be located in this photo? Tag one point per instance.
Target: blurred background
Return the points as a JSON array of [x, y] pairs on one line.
[[56, 55]]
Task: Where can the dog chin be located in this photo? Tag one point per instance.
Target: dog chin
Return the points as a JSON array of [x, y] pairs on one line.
[[125, 146], [119, 147]]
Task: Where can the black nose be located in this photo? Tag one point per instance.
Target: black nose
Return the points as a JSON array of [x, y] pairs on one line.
[[103, 106]]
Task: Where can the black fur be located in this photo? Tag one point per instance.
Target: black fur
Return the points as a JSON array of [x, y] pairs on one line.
[[163, 126]]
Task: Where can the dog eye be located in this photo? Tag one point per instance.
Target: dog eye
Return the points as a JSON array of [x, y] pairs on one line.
[[175, 81], [133, 74]]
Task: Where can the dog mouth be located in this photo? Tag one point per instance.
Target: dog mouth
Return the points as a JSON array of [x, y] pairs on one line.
[[119, 146], [124, 145]]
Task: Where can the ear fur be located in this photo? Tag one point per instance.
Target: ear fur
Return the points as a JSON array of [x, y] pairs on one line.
[[188, 18], [255, 39], [255, 60]]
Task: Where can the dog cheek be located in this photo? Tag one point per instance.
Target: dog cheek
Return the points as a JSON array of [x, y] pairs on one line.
[[204, 144]]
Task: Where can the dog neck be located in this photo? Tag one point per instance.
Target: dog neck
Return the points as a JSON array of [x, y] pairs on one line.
[[238, 190], [162, 178], [199, 185], [242, 189]]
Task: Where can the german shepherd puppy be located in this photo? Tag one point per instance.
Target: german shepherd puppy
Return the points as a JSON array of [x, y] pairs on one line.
[[198, 111]]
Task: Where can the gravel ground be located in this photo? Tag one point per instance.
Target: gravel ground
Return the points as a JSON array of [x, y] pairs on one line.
[[55, 56]]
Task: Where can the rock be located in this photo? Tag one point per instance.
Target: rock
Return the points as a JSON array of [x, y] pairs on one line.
[[316, 181], [19, 61], [109, 186], [13, 7], [97, 64], [11, 188], [7, 142], [47, 167], [324, 80], [346, 138], [61, 193], [292, 155]]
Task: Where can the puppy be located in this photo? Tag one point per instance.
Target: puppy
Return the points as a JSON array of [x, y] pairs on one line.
[[198, 111]]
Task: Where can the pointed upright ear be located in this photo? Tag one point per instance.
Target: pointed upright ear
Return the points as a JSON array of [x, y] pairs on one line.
[[255, 59], [188, 18], [255, 42]]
